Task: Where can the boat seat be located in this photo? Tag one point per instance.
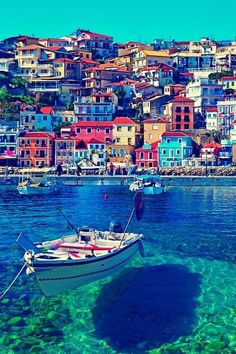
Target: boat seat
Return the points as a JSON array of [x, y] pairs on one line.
[[88, 247], [74, 255]]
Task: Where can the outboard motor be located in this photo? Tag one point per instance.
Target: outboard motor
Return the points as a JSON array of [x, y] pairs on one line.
[[115, 226]]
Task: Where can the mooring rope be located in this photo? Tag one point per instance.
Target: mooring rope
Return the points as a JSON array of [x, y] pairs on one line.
[[13, 281]]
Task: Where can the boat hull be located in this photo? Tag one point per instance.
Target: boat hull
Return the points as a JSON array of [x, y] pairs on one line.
[[61, 276], [26, 190], [152, 190]]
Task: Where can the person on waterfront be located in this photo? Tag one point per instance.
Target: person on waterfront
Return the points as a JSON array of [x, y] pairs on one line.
[[78, 170], [111, 169], [59, 169]]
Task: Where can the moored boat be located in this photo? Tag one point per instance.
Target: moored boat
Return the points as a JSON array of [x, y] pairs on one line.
[[148, 184], [83, 257], [36, 182]]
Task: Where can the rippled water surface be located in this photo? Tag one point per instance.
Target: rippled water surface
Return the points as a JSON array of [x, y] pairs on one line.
[[180, 298]]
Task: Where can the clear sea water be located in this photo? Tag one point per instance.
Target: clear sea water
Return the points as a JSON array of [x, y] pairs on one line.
[[180, 298]]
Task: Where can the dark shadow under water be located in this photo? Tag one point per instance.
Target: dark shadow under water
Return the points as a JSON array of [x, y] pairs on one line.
[[147, 307]]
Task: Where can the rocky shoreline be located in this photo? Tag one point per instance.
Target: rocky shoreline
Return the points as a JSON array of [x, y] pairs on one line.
[[198, 171]]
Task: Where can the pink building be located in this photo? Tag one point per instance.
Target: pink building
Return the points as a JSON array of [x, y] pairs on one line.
[[147, 155], [99, 130]]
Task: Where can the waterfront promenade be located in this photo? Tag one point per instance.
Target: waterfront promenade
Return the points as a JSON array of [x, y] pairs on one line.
[[103, 180]]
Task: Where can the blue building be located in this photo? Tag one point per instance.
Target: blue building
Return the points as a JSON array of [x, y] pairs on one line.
[[174, 150]]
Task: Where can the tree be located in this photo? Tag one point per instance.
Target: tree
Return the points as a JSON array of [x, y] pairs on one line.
[[120, 93], [219, 75], [18, 82]]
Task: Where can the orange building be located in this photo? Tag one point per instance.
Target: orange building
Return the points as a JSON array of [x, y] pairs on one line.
[[181, 112], [154, 128], [36, 149]]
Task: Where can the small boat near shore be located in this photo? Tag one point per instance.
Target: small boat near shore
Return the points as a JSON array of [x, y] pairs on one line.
[[83, 257], [35, 182], [148, 184]]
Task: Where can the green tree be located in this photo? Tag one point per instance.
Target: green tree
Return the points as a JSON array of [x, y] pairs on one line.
[[120, 93], [18, 82], [219, 75]]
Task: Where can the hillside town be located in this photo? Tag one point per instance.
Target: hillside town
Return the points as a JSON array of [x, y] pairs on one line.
[[86, 100]]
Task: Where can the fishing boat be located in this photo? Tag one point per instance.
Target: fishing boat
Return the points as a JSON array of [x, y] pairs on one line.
[[148, 184], [35, 181], [83, 257]]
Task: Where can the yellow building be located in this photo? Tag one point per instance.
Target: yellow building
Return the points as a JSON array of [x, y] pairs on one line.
[[125, 131], [154, 128], [229, 82], [151, 57]]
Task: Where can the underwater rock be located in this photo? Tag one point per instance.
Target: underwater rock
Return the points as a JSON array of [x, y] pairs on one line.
[[215, 346], [14, 320]]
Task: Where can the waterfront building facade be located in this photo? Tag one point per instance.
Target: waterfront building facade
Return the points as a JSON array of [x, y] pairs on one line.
[[174, 149]]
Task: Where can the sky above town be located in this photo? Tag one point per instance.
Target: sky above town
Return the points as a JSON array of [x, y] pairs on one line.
[[125, 20]]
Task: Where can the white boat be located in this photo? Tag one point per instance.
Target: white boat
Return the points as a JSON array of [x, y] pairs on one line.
[[148, 184], [81, 258], [35, 182]]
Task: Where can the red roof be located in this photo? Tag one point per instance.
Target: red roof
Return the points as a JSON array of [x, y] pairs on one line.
[[124, 121], [226, 78], [89, 61], [157, 67], [153, 146], [172, 134], [92, 124], [38, 135], [212, 146], [95, 35], [54, 48], [65, 60], [211, 109], [94, 140], [186, 74], [182, 99], [46, 110]]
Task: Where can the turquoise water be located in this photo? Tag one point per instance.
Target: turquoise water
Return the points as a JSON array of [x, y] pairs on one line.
[[180, 298]]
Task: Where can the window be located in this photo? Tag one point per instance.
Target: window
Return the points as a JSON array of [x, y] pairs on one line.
[[98, 130], [150, 155], [129, 140], [154, 127], [178, 118], [177, 152], [129, 129], [178, 109], [178, 126], [163, 152], [141, 155], [118, 140], [180, 141], [168, 141], [186, 110], [119, 129], [107, 130], [89, 130], [78, 130], [186, 119], [186, 126]]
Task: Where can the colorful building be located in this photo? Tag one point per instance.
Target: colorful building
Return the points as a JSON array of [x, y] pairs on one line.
[[38, 118], [226, 111], [99, 130], [36, 149], [154, 128], [147, 155], [126, 131], [229, 82], [211, 118], [181, 112], [99, 107], [175, 149]]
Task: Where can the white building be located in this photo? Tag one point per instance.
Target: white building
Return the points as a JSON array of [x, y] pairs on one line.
[[211, 118], [206, 93]]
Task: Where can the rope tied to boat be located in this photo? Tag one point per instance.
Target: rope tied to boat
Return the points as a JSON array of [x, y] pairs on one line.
[[13, 281]]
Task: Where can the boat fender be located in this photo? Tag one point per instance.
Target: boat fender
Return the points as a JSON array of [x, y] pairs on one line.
[[28, 256], [141, 249], [30, 270]]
